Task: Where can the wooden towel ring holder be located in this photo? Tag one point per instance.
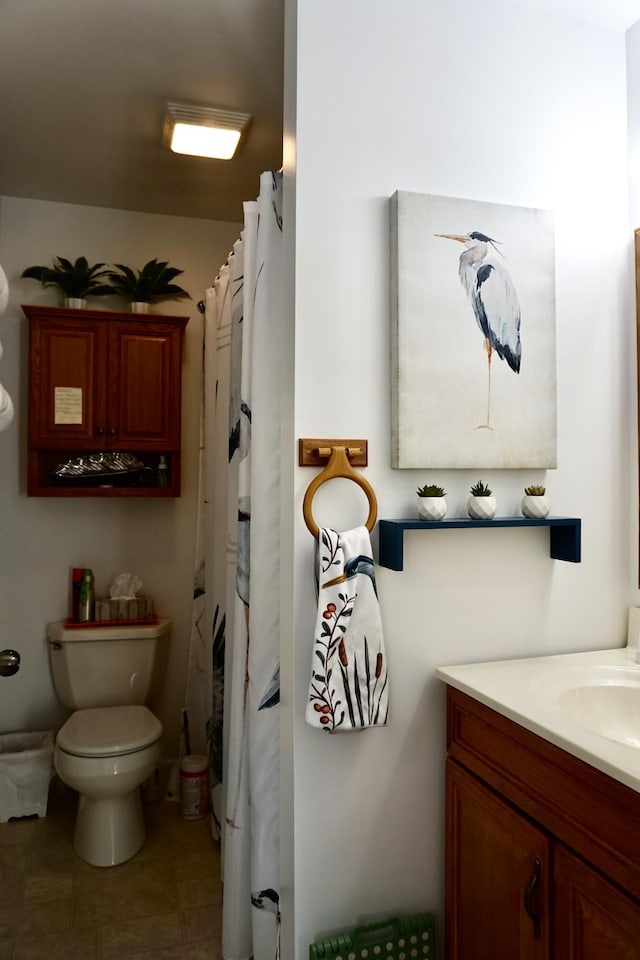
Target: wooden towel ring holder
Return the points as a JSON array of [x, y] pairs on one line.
[[338, 466]]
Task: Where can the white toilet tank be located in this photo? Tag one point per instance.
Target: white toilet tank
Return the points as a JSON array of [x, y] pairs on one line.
[[110, 666]]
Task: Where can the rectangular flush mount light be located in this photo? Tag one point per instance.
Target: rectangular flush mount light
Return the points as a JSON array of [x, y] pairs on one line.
[[203, 131]]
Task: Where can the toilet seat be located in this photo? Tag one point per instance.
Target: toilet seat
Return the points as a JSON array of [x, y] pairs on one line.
[[109, 731]]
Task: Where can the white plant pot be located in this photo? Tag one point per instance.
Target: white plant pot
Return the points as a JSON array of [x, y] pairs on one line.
[[139, 306], [481, 508], [536, 508], [431, 508], [75, 303]]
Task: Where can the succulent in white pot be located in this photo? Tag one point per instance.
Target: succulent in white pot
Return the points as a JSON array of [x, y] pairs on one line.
[[481, 504], [534, 503], [431, 503]]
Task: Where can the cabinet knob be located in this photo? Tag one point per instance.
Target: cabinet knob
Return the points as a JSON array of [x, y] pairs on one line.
[[112, 431], [100, 431]]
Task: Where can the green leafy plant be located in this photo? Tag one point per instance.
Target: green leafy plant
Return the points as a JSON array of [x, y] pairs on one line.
[[77, 279], [535, 490], [480, 489], [154, 282], [431, 490]]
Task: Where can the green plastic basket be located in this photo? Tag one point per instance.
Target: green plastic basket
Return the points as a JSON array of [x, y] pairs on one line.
[[411, 938]]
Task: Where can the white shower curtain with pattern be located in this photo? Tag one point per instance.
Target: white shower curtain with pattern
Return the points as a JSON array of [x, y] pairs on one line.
[[233, 688]]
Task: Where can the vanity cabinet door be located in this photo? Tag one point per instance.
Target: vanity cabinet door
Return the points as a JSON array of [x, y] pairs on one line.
[[593, 919], [497, 876]]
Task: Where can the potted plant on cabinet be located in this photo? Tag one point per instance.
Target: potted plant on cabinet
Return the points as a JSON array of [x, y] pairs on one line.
[[77, 280], [151, 284], [534, 503], [431, 503], [481, 504]]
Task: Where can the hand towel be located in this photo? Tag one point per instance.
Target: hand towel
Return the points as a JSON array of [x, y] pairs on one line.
[[348, 688]]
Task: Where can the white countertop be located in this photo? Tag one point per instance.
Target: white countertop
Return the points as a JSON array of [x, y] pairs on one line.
[[530, 691]]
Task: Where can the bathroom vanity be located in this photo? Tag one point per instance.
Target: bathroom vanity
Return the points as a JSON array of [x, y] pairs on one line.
[[542, 814], [102, 382]]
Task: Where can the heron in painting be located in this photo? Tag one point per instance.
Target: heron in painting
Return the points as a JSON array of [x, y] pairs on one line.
[[493, 299]]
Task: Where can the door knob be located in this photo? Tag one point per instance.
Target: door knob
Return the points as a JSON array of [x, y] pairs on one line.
[[9, 662]]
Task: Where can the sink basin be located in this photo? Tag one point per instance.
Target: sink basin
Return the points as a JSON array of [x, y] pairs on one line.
[[608, 705]]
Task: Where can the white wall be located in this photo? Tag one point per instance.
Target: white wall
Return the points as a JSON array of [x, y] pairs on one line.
[[630, 369], [42, 538], [498, 103]]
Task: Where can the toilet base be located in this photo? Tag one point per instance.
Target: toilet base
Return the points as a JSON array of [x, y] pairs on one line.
[[109, 831]]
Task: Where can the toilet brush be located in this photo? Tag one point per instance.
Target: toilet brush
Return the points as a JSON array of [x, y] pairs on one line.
[[184, 749]]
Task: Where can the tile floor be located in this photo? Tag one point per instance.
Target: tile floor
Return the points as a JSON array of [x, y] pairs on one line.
[[164, 904]]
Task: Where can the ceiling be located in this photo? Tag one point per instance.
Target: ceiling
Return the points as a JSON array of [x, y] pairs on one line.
[[83, 88]]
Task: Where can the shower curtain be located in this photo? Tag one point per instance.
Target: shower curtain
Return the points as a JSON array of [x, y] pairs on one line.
[[233, 686]]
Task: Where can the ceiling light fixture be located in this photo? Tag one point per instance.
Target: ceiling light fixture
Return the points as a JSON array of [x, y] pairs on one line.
[[203, 131]]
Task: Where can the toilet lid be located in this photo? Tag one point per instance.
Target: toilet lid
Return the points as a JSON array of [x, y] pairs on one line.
[[105, 731]]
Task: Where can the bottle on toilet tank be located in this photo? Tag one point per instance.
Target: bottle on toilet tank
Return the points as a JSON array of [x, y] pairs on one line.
[[86, 602]]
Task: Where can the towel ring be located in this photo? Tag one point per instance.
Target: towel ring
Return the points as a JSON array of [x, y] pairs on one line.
[[338, 466]]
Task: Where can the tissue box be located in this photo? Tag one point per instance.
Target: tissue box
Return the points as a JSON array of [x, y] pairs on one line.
[[139, 608]]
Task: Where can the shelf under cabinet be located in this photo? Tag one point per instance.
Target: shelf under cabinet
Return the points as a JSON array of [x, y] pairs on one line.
[[43, 482], [564, 535]]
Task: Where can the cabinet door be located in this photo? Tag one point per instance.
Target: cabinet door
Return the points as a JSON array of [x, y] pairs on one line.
[[594, 920], [497, 876], [66, 384], [144, 386]]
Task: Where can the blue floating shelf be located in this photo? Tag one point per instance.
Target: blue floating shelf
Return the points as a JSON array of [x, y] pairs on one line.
[[564, 535]]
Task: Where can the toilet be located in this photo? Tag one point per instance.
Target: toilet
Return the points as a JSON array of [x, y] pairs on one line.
[[110, 744]]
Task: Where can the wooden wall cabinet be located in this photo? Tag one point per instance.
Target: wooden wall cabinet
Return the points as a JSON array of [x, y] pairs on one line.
[[542, 850], [101, 381]]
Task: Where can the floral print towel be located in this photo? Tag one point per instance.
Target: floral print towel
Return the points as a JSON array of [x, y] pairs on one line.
[[348, 689]]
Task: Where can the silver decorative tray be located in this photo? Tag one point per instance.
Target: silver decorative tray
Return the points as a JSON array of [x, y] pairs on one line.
[[94, 467]]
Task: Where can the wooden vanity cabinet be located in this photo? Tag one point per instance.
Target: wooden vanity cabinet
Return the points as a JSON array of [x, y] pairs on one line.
[[103, 381], [542, 850]]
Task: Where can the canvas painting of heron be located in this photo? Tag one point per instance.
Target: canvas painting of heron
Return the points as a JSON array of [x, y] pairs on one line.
[[473, 345]]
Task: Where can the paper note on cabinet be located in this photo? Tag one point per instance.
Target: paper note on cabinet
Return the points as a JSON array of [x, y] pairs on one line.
[[67, 405]]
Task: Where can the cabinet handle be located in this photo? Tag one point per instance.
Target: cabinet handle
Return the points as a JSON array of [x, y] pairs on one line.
[[112, 431], [100, 431], [529, 894]]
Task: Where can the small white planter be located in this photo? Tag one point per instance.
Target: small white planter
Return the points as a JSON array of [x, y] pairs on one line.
[[75, 303], [431, 508], [139, 306], [481, 508], [536, 508]]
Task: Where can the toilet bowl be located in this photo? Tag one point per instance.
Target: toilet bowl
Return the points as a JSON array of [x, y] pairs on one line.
[[105, 754], [110, 744]]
